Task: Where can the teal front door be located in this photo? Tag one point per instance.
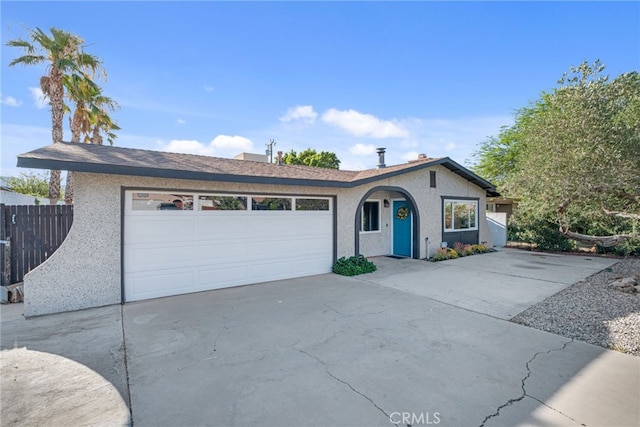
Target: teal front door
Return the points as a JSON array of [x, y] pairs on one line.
[[401, 228]]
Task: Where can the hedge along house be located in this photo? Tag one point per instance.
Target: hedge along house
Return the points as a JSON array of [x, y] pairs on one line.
[[239, 222]]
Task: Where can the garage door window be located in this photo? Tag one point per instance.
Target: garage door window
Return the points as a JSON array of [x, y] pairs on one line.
[[312, 204], [271, 203], [161, 202], [222, 203]]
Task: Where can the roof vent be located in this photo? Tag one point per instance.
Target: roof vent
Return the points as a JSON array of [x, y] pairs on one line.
[[380, 152], [421, 157]]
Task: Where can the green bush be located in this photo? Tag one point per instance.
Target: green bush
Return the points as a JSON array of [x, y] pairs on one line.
[[629, 248], [543, 233], [353, 266]]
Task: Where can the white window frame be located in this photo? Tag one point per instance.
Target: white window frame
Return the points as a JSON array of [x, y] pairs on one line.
[[379, 229], [452, 228]]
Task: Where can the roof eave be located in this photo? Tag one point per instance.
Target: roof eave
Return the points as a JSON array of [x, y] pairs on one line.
[[30, 162]]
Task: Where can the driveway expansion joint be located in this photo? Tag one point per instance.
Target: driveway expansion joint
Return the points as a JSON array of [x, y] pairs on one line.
[[126, 365], [359, 393], [523, 384]]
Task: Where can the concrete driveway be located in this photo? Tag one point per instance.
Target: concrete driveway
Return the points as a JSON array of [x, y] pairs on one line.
[[415, 343]]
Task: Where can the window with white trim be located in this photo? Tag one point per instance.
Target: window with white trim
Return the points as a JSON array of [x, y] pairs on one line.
[[370, 216], [460, 215]]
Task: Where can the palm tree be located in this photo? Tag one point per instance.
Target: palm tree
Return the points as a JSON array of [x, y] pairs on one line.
[[89, 117], [62, 52]]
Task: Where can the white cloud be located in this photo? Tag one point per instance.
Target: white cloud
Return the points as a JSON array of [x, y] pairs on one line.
[[188, 146], [208, 88], [301, 112], [39, 97], [226, 142], [220, 146], [360, 124], [362, 149], [450, 146], [11, 101], [182, 121]]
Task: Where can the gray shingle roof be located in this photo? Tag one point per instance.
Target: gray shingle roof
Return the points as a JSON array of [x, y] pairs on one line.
[[128, 161]]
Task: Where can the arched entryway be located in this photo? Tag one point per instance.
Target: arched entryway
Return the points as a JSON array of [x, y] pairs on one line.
[[414, 214]]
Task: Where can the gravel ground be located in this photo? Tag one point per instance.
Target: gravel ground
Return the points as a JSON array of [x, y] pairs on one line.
[[593, 311]]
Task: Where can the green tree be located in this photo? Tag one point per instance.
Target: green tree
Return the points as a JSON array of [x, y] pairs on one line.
[[63, 54], [578, 156], [310, 157], [497, 158], [29, 183]]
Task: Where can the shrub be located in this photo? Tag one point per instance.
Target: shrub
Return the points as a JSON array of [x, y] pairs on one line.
[[543, 233], [353, 266], [444, 253], [479, 249], [464, 250]]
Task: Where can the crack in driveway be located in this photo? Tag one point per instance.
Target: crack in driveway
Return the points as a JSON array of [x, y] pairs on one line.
[[340, 380], [522, 386]]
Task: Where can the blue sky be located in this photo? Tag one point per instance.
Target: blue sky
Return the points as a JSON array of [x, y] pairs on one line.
[[220, 78]]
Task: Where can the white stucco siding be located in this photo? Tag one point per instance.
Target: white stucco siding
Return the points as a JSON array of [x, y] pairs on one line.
[[85, 270]]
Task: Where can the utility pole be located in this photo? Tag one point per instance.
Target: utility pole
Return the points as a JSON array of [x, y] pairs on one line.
[[269, 150]]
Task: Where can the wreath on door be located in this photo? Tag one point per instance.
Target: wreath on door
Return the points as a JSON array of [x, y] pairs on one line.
[[402, 213]]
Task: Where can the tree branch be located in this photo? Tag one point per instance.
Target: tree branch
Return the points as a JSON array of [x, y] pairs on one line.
[[602, 241], [621, 214]]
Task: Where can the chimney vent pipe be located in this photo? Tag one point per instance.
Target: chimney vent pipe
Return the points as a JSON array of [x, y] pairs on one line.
[[380, 152]]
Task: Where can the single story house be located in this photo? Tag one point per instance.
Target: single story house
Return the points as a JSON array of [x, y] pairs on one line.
[[150, 224]]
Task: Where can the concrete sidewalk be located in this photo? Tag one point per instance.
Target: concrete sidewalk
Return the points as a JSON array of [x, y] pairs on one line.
[[330, 350]]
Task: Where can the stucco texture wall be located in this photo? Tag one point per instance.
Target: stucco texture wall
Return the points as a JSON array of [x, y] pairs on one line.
[[85, 270]]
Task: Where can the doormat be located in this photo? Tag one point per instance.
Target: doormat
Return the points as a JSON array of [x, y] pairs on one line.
[[396, 257]]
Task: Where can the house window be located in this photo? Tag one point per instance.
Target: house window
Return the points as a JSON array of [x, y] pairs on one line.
[[460, 215], [371, 216], [491, 207]]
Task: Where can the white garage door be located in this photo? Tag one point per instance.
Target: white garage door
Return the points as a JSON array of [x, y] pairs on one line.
[[176, 243]]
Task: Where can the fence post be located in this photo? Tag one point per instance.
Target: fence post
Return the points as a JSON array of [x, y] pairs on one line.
[[5, 248]]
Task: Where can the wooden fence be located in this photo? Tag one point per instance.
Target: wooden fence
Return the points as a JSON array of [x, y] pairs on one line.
[[29, 235]]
